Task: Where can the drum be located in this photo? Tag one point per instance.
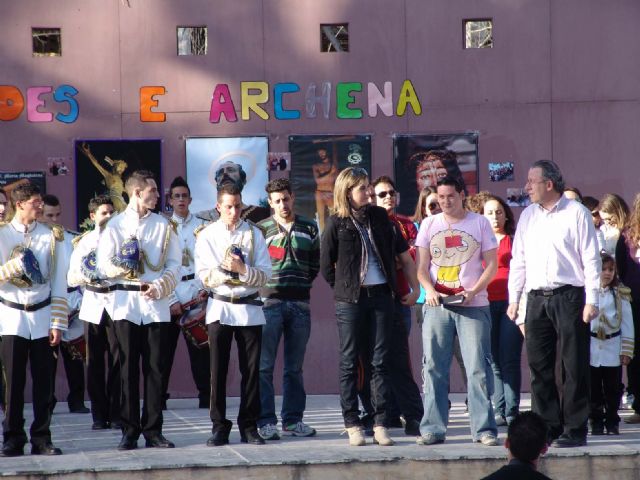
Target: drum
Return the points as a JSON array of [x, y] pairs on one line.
[[193, 325], [76, 348]]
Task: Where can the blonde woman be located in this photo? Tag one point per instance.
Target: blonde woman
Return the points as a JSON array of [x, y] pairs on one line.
[[357, 258], [614, 213]]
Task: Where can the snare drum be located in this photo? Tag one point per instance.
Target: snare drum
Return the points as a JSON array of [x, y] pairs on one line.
[[193, 325], [76, 348]]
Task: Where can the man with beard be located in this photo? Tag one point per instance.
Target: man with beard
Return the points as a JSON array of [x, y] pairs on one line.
[[233, 173]]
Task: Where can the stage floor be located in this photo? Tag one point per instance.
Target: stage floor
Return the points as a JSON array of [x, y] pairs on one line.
[[93, 454]]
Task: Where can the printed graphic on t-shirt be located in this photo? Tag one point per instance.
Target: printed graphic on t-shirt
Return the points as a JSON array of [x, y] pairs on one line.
[[450, 249]]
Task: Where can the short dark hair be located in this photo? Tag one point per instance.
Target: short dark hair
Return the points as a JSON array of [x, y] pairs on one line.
[[451, 181], [24, 192], [228, 189], [383, 179], [606, 258], [590, 202], [527, 435], [278, 185], [551, 171], [179, 182], [574, 190], [50, 200], [95, 202], [138, 179]]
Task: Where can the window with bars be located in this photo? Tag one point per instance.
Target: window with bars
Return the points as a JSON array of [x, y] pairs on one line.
[[46, 42], [192, 40], [478, 33], [334, 37]]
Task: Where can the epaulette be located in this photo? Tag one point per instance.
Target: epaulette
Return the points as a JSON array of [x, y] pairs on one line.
[[624, 292], [174, 225], [58, 231], [208, 215], [199, 228], [76, 240]]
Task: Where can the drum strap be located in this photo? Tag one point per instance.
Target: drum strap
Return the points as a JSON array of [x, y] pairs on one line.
[[253, 299]]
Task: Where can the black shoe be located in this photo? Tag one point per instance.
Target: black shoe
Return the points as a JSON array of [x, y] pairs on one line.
[[10, 449], [79, 409], [219, 438], [412, 427], [100, 425], [613, 429], [158, 441], [45, 449], [251, 436], [567, 441], [128, 443], [393, 422]]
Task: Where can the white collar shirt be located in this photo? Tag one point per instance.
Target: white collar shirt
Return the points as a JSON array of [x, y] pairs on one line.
[[186, 290]]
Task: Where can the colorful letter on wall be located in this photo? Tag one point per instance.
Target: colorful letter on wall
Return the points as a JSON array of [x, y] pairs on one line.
[[11, 102], [221, 102], [278, 91], [33, 102], [408, 96], [251, 101], [65, 93], [147, 102], [324, 99], [344, 99], [377, 99]]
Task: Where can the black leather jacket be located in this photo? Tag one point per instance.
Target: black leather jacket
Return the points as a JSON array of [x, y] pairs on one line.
[[341, 252]]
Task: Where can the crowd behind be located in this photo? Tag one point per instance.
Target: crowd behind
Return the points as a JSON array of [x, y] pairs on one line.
[[564, 281]]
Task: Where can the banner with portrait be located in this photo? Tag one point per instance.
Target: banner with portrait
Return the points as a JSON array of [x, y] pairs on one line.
[[316, 161], [10, 180], [243, 159], [102, 167], [421, 160]]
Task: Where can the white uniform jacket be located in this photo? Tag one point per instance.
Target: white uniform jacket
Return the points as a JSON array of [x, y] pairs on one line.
[[42, 241], [606, 352], [187, 287], [211, 245], [93, 303], [158, 241]]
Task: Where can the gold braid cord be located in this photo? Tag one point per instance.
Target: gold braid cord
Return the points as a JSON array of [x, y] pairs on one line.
[[163, 255]]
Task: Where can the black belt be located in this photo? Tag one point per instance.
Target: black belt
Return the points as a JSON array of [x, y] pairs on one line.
[[117, 286], [248, 300], [375, 290], [28, 307], [191, 276], [606, 337], [72, 289], [551, 291]]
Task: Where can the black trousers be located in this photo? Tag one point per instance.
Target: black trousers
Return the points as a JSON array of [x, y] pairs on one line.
[[606, 393], [249, 342], [103, 370], [633, 369], [74, 370], [144, 344], [15, 352], [550, 321], [198, 360]]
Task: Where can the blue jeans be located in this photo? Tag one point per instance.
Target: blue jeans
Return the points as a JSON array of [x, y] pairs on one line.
[[291, 319], [364, 330], [506, 349], [473, 325]]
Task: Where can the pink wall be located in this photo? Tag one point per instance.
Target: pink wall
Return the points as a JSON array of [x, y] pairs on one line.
[[560, 82]]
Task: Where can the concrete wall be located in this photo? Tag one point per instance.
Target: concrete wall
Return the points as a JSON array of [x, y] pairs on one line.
[[560, 82]]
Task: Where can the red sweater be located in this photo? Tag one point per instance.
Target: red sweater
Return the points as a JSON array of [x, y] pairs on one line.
[[497, 288]]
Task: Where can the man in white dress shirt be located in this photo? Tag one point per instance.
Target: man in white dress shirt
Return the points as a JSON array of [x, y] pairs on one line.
[[188, 289], [101, 337], [139, 254], [233, 262], [33, 309], [556, 261]]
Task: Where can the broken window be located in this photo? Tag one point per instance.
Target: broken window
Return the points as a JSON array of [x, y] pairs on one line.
[[46, 42], [192, 40], [334, 37], [478, 33]]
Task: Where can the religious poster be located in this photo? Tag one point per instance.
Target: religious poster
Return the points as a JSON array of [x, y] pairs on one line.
[[102, 167], [279, 161], [215, 159], [316, 161], [421, 160], [10, 180]]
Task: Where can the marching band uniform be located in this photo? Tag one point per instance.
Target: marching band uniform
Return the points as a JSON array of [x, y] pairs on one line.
[[234, 309], [28, 310], [149, 244], [101, 339], [187, 289]]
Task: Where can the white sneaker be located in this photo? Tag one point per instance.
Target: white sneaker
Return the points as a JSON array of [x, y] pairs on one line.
[[269, 432], [381, 436], [299, 429], [356, 436]]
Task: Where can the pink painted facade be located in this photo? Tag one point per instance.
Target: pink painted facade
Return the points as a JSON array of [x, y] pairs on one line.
[[561, 82]]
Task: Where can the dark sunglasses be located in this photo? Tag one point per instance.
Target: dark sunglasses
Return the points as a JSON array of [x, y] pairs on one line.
[[383, 194]]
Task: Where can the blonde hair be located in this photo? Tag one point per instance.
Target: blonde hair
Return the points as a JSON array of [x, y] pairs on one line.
[[347, 179], [634, 221], [615, 206]]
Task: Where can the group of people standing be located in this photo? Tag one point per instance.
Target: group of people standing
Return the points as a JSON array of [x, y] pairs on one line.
[[248, 273]]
